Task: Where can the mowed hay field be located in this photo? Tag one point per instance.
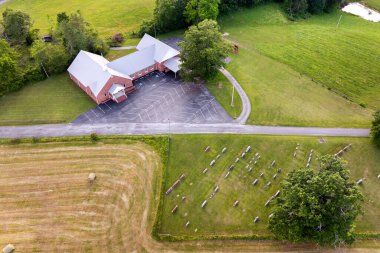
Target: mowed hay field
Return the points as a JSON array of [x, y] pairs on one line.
[[219, 217], [107, 17], [48, 205]]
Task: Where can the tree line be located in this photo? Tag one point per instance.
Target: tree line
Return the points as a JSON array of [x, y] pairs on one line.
[[24, 57], [170, 15]]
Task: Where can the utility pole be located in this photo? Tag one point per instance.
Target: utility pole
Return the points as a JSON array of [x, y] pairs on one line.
[[233, 94], [340, 18]]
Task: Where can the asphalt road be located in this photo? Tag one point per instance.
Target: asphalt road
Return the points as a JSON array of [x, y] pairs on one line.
[[175, 128]]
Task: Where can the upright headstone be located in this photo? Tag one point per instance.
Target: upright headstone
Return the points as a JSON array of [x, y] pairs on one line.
[[248, 149], [256, 219], [224, 150], [255, 181], [204, 204], [274, 176], [205, 171], [273, 163], [279, 170], [277, 193], [237, 160], [360, 181], [243, 155], [270, 216], [217, 157], [207, 148], [236, 203], [174, 210], [187, 224], [262, 174], [228, 173], [232, 167], [212, 163]]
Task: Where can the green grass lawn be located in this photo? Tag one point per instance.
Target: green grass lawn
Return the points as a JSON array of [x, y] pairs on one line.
[[222, 89], [55, 100], [372, 4], [115, 54], [219, 217], [108, 17], [345, 59]]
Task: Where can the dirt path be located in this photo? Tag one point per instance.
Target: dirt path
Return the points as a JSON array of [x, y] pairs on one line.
[[47, 205]]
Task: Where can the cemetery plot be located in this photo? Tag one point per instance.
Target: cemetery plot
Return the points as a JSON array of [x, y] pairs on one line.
[[233, 186]]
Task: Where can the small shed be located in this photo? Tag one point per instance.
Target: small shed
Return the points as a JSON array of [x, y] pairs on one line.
[[9, 248], [47, 38], [92, 177]]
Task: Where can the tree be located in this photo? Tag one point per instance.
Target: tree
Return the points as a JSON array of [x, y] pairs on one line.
[[11, 76], [199, 10], [317, 206], [316, 6], [17, 25], [375, 130], [53, 56], [296, 8], [78, 35], [203, 51]]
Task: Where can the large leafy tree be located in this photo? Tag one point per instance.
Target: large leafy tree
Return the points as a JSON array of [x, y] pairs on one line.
[[53, 56], [199, 10], [203, 51], [318, 206], [375, 130], [17, 25], [78, 35], [10, 73], [296, 8]]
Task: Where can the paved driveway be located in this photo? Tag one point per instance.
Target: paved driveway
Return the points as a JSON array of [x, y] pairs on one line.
[[160, 97]]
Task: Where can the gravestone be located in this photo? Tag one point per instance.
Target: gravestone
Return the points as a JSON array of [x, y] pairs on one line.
[[307, 165], [267, 203], [174, 210], [224, 150], [248, 149], [277, 193], [228, 173], [204, 204], [187, 224], [360, 181], [273, 163], [255, 181], [274, 176], [247, 166], [232, 167], [255, 163], [256, 219], [216, 189], [207, 148], [182, 177], [270, 216], [236, 203], [204, 171], [378, 176], [237, 160], [279, 170], [250, 169], [243, 155], [212, 163], [217, 157], [262, 174], [295, 154], [257, 154], [183, 198], [268, 184]]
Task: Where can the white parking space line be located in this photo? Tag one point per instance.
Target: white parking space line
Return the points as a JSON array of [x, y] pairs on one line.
[[85, 114], [94, 113], [101, 110]]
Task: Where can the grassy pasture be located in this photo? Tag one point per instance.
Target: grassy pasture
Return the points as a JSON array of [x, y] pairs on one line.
[[372, 4], [55, 100], [219, 217], [107, 17], [345, 60]]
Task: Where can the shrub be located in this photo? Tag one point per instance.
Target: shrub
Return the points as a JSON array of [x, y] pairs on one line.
[[94, 137], [375, 130], [117, 39]]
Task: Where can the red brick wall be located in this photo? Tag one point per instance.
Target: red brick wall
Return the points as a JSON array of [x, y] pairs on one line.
[[103, 95]]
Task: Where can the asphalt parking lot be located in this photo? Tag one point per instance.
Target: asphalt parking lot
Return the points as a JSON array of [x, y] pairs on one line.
[[158, 98]]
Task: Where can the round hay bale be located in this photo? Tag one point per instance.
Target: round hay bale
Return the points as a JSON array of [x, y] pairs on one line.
[[9, 248]]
